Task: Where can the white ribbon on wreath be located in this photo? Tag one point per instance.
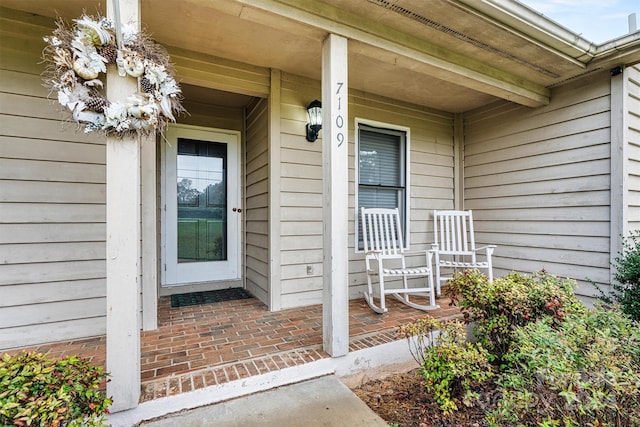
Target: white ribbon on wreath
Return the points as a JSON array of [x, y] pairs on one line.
[[77, 56]]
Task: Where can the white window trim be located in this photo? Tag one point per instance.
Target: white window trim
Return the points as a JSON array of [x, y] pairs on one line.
[[407, 171]]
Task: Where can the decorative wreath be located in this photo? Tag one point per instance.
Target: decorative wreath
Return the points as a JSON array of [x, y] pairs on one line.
[[77, 55]]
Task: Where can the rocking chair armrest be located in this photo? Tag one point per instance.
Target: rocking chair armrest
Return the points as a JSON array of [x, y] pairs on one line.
[[426, 252], [369, 253], [488, 248], [435, 251], [373, 254], [415, 253]]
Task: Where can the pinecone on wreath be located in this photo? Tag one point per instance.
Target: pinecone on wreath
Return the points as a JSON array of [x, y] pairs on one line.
[[96, 104], [110, 53], [146, 85]]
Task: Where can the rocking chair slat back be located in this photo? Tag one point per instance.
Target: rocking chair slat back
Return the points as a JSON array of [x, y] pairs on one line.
[[455, 246], [382, 232], [384, 257], [454, 232]]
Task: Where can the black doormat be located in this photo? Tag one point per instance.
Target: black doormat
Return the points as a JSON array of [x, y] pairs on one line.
[[208, 297]]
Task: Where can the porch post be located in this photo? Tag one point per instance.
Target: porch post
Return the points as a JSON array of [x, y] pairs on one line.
[[458, 162], [123, 243], [619, 205], [335, 101], [275, 222], [149, 232]]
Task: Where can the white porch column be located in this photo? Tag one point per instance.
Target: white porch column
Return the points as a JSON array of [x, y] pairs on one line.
[[123, 243], [149, 232], [458, 162], [335, 101], [619, 161], [275, 219]]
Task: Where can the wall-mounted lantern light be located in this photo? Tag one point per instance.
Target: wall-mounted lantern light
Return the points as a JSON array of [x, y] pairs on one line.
[[315, 120]]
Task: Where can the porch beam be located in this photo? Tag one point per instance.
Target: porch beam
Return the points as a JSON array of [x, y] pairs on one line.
[[335, 101], [123, 243], [444, 64]]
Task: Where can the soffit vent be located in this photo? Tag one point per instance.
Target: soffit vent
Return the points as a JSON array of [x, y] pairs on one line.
[[577, 76], [460, 36]]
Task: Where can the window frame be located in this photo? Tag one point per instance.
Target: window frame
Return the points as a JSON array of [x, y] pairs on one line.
[[406, 217]]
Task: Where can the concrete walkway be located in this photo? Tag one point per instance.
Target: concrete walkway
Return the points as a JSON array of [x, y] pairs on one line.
[[322, 401]]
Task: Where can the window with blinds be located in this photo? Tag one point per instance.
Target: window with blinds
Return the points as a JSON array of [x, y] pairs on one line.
[[381, 170]]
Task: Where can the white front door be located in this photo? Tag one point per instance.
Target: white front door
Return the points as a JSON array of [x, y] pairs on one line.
[[202, 200]]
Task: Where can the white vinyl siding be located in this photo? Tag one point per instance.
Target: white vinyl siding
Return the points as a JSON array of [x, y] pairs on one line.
[[538, 181], [52, 203], [256, 209]]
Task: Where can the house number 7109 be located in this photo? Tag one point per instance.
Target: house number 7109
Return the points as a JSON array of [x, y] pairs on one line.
[[339, 118]]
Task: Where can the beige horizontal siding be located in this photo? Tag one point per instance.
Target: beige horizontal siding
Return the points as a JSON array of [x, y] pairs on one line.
[[633, 129], [213, 72], [431, 179], [60, 330], [300, 197], [257, 201], [52, 202], [431, 166], [39, 293], [539, 181], [212, 116]]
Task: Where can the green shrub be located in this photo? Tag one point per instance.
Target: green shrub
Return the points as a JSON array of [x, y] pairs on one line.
[[36, 390], [451, 365], [561, 364], [420, 335], [626, 288], [582, 371], [497, 308]]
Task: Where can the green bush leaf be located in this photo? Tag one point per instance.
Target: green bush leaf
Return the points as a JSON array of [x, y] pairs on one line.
[[36, 391]]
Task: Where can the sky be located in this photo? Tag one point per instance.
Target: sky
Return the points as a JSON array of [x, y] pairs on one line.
[[595, 20]]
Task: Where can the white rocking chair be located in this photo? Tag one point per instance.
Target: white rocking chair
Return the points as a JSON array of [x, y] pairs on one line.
[[384, 249], [455, 245]]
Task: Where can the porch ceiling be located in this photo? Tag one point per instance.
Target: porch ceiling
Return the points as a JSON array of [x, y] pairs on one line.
[[442, 54]]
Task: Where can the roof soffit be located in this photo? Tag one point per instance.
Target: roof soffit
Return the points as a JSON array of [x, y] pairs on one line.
[[458, 28], [504, 33], [441, 62], [453, 63]]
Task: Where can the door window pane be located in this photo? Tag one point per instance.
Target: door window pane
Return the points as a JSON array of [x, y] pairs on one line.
[[202, 201]]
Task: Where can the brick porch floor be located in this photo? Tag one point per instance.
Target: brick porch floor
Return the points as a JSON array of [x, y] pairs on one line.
[[203, 345]]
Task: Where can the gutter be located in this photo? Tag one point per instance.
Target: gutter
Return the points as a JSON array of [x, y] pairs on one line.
[[628, 41], [525, 22]]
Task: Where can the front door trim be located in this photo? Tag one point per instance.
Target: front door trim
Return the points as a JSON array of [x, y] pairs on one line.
[[174, 274]]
